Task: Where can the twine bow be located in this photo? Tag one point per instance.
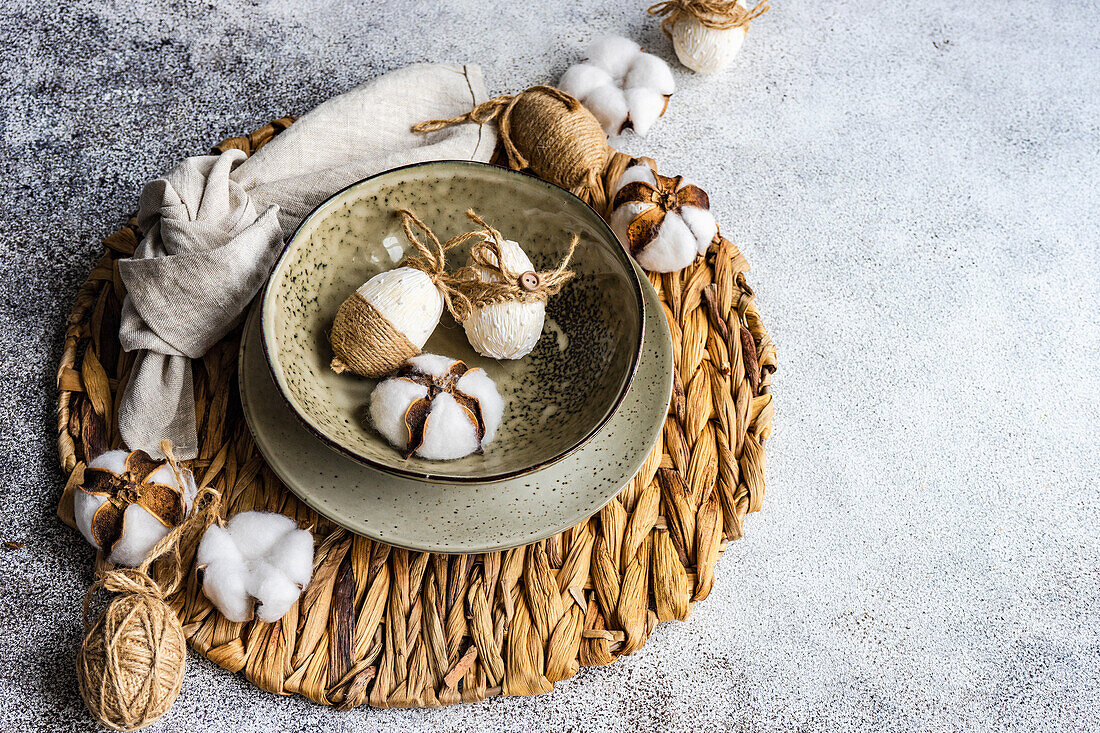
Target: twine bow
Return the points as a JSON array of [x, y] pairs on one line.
[[716, 14], [465, 290]]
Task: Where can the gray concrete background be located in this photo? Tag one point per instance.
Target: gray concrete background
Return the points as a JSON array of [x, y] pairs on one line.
[[915, 184]]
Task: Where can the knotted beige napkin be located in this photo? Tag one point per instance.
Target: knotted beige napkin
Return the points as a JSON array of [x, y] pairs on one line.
[[215, 226]]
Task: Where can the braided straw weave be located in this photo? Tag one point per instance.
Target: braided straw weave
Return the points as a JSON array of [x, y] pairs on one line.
[[389, 627]]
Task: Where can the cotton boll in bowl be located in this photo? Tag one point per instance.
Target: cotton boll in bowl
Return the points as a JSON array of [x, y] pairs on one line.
[[437, 408]]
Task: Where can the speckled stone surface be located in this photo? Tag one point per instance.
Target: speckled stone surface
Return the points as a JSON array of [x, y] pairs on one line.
[[914, 183]]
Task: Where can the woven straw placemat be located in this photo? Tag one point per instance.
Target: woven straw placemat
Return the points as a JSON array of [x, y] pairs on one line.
[[389, 627]]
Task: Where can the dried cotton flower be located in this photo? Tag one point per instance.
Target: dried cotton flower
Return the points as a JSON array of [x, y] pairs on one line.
[[129, 502], [437, 408], [260, 561], [621, 85], [663, 221]]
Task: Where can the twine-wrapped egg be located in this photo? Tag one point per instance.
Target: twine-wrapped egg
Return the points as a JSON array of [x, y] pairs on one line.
[[130, 666], [389, 318], [548, 132], [384, 322], [707, 34], [504, 298]]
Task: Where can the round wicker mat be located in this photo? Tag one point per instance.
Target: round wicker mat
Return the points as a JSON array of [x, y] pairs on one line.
[[388, 627]]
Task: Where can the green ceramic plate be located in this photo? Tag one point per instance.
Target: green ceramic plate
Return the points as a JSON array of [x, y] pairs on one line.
[[557, 397], [462, 517]]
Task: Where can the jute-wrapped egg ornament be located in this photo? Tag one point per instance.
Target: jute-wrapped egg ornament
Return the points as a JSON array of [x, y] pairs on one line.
[[548, 132], [707, 34], [390, 317], [131, 663], [506, 297]]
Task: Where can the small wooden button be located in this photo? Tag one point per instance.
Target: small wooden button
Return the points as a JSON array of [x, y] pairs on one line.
[[529, 281]]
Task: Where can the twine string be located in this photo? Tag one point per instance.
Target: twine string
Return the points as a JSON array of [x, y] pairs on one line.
[[716, 14]]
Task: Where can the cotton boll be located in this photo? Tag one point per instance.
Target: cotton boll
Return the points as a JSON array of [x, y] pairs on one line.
[[678, 224], [644, 107], [148, 501], [449, 433], [255, 533], [650, 72], [608, 105], [440, 421], [702, 224], [579, 80], [632, 91], [478, 385], [238, 572], [613, 54], [388, 403]]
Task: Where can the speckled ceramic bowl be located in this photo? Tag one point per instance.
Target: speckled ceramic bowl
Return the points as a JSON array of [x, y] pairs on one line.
[[557, 397]]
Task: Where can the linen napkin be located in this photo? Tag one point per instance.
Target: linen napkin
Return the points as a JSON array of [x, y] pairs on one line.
[[215, 226]]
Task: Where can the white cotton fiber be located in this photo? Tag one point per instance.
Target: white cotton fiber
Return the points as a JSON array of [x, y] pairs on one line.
[[388, 403], [217, 545], [644, 106], [650, 72], [274, 592], [293, 554], [449, 433], [255, 533], [608, 105], [433, 364], [226, 585], [259, 557], [613, 54], [702, 224], [579, 80], [666, 253], [478, 385], [141, 531]]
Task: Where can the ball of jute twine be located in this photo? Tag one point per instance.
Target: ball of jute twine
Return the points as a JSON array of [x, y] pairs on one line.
[[507, 286], [716, 14], [131, 663], [548, 132]]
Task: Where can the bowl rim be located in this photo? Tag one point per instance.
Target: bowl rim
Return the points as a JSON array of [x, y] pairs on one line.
[[442, 477]]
